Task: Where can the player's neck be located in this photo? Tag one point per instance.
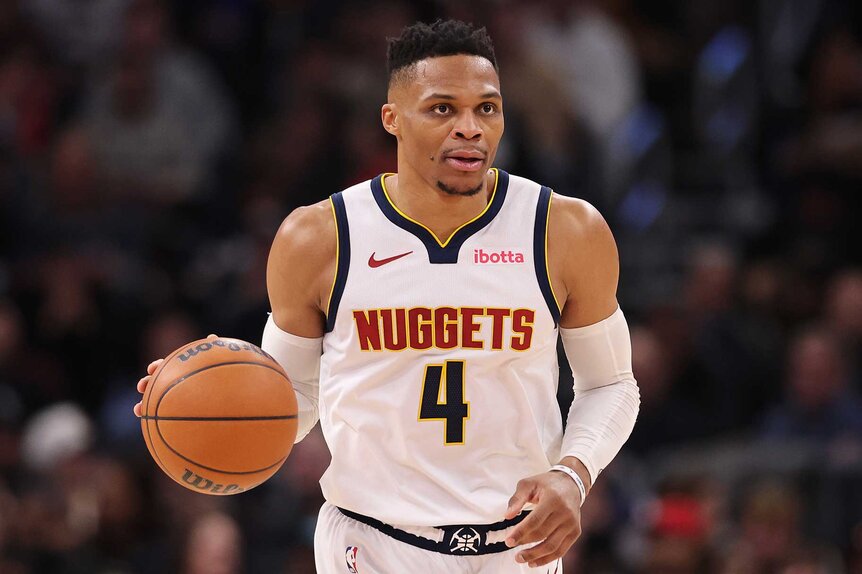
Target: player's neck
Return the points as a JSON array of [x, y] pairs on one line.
[[441, 212]]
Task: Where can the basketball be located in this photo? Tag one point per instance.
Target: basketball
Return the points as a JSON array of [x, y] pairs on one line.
[[219, 416]]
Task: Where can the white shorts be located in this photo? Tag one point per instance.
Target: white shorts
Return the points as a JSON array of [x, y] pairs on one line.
[[343, 545]]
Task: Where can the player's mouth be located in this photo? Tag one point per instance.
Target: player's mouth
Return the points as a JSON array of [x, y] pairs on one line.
[[467, 160]]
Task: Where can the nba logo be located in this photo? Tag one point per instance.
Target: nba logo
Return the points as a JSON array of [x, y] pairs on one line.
[[350, 557]]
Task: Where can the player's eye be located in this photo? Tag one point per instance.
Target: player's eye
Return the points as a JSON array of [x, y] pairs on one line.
[[442, 108], [488, 108]]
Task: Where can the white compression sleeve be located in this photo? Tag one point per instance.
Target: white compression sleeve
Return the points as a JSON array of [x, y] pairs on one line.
[[300, 358], [607, 399]]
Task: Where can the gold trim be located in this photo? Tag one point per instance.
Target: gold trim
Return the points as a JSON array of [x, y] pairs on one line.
[[547, 268], [460, 227], [337, 255]]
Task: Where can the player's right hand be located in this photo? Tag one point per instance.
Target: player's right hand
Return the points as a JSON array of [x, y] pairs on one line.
[[555, 521], [145, 381], [142, 384]]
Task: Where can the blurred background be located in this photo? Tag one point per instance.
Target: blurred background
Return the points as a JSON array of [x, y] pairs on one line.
[[150, 149]]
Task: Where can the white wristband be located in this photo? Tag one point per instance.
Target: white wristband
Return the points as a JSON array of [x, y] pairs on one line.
[[574, 476]]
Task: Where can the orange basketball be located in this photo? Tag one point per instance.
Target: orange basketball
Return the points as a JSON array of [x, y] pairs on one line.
[[219, 416]]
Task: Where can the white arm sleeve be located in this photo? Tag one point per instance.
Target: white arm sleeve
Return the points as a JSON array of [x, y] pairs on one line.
[[300, 358], [607, 399]]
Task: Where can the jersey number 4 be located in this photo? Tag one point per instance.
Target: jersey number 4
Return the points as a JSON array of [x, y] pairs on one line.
[[443, 399]]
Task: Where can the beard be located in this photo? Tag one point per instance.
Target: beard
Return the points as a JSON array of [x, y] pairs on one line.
[[465, 193]]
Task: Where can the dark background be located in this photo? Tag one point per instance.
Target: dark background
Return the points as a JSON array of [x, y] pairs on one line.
[[149, 151]]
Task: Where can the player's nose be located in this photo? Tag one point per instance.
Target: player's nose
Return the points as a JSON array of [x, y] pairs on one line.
[[467, 127]]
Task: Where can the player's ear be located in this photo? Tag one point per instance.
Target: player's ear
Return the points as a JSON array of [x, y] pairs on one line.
[[389, 117]]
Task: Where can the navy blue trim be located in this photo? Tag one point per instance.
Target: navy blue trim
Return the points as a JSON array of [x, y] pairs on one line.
[[539, 232], [449, 543], [343, 259], [437, 254]]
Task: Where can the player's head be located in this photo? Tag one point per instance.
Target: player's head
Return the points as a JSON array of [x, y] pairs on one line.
[[444, 104]]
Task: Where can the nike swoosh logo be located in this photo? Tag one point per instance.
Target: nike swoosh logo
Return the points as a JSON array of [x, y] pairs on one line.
[[373, 263]]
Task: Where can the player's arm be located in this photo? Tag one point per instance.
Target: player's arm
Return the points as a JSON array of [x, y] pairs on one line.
[[584, 263], [595, 338], [299, 275]]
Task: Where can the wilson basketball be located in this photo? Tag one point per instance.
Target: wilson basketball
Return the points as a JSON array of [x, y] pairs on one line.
[[219, 416]]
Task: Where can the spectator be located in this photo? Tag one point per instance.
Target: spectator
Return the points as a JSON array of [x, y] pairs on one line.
[[818, 402], [214, 546], [593, 56], [160, 121], [679, 537], [32, 376], [733, 381], [81, 35], [844, 311], [544, 133], [665, 419], [772, 538]]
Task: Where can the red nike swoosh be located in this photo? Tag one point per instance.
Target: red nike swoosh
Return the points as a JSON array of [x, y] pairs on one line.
[[372, 262]]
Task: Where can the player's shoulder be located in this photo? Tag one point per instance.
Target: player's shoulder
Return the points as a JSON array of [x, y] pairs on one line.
[[575, 216], [570, 215], [306, 230], [578, 232], [302, 253], [311, 230], [581, 248]]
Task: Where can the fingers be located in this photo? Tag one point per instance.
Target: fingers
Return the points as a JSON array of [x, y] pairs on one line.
[[554, 546], [151, 368], [537, 526], [524, 492], [554, 522], [143, 382]]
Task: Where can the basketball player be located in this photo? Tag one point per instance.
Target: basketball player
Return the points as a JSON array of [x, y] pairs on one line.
[[417, 315]]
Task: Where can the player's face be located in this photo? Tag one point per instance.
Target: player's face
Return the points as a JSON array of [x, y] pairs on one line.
[[449, 121]]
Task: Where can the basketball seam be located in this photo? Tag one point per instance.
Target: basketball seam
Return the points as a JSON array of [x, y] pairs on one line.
[[186, 377], [207, 419], [187, 459], [149, 396], [202, 369]]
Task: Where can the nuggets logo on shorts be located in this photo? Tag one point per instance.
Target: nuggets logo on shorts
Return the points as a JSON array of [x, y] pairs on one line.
[[350, 558], [465, 540]]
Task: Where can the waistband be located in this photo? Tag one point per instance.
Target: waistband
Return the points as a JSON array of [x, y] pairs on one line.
[[456, 539]]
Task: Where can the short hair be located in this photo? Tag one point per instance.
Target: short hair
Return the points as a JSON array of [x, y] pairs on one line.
[[441, 38]]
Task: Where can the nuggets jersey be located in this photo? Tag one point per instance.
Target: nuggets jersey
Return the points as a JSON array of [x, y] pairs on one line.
[[439, 372]]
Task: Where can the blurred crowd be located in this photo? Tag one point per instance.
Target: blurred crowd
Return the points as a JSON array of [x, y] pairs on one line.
[[150, 149]]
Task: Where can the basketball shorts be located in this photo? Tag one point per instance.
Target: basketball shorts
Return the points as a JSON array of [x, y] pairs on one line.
[[345, 543]]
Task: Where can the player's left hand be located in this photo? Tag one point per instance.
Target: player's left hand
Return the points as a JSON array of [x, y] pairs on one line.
[[555, 520], [145, 380]]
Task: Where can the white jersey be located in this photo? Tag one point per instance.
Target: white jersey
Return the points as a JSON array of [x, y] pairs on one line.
[[438, 379]]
